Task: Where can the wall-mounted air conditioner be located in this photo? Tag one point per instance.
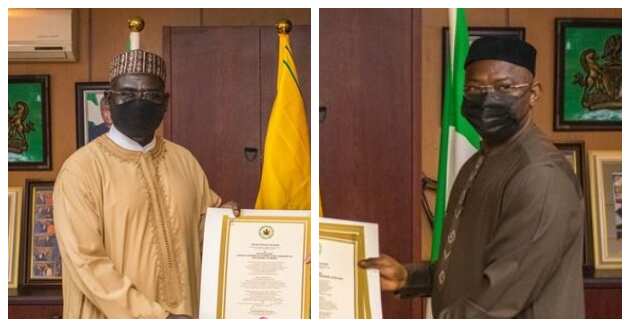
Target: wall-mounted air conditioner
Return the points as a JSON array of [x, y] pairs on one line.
[[43, 35]]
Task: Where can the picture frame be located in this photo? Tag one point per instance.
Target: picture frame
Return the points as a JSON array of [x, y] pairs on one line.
[[587, 74], [92, 114], [333, 228], [605, 176], [14, 205], [29, 123], [41, 260], [287, 230], [474, 33], [575, 153]]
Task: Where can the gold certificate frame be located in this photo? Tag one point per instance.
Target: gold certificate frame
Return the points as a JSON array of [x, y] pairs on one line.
[[605, 172], [267, 220], [352, 234]]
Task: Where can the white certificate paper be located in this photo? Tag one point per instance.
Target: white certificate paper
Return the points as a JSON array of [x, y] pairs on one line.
[[336, 283], [253, 266], [337, 270]]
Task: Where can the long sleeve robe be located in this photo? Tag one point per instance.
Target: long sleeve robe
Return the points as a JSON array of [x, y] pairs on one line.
[[129, 230], [517, 251]]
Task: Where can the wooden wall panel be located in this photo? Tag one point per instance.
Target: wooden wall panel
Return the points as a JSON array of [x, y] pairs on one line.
[[215, 101], [417, 214], [366, 138], [35, 311], [603, 303], [258, 16], [223, 84], [602, 298]]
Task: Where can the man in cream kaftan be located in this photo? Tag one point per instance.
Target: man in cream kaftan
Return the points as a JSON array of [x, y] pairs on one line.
[[129, 223], [129, 206]]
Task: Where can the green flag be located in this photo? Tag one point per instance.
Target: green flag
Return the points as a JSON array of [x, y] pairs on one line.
[[458, 139]]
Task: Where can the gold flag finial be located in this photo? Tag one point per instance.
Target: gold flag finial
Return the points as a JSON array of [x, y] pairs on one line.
[[284, 26], [136, 24]]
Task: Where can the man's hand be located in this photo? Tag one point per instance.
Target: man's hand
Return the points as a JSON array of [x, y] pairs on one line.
[[234, 206], [393, 274], [176, 316]]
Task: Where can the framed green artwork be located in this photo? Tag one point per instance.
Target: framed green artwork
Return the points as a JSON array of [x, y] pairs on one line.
[[588, 74], [29, 123]]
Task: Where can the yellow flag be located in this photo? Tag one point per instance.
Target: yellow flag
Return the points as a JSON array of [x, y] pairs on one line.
[[286, 175]]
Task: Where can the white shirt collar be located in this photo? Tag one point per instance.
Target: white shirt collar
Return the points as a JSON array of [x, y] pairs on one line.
[[128, 143]]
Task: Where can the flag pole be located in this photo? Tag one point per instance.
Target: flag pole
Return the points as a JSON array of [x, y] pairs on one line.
[[440, 201], [136, 25]]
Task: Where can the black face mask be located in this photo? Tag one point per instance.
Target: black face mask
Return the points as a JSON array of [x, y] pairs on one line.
[[495, 116], [138, 118]]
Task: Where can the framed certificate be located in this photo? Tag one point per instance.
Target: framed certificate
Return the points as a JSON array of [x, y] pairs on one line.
[[345, 290], [253, 266]]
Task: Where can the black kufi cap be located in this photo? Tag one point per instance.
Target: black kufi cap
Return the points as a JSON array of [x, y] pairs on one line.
[[510, 49]]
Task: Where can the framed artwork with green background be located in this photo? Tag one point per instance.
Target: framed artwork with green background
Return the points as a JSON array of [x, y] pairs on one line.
[[29, 123], [588, 74]]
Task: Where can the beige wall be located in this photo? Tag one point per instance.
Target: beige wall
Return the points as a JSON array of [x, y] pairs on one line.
[[103, 34], [539, 31]]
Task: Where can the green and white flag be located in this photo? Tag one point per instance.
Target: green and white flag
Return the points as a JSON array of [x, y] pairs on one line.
[[458, 139]]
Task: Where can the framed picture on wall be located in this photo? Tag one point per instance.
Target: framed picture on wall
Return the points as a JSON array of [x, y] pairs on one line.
[[475, 33], [41, 258], [29, 123], [605, 176], [93, 115], [574, 153], [15, 219], [588, 74]]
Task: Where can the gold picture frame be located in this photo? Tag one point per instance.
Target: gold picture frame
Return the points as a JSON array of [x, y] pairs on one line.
[[15, 222], [352, 235], [223, 258], [605, 177]]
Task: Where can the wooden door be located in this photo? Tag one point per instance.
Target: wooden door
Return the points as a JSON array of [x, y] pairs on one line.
[[369, 139], [222, 82]]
